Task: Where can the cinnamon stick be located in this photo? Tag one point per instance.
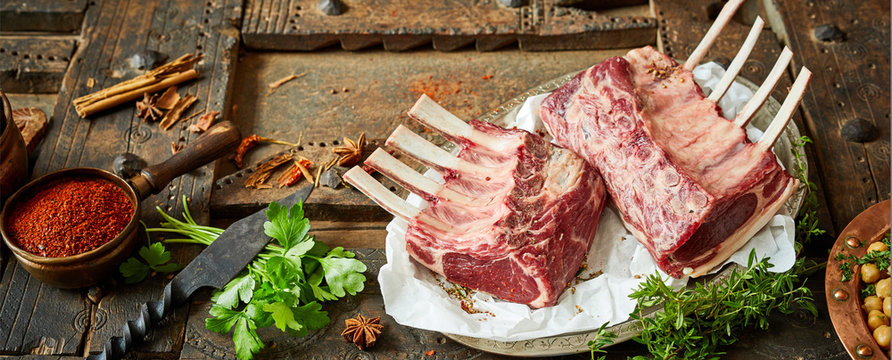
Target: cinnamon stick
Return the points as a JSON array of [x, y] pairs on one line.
[[160, 78]]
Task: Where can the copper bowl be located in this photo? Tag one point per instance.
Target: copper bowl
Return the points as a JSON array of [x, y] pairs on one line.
[[13, 154], [88, 268], [82, 269], [843, 298]]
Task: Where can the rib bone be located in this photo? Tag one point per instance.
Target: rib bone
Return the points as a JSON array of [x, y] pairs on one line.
[[429, 154], [711, 34], [388, 200], [430, 114], [738, 61], [413, 181], [786, 111], [745, 114]]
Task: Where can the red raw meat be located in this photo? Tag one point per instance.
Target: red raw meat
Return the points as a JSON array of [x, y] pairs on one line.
[[515, 217], [688, 183]]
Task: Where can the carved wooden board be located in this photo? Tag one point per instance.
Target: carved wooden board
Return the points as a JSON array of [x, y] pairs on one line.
[[331, 101], [851, 81], [449, 25], [42, 15], [114, 31], [34, 64]]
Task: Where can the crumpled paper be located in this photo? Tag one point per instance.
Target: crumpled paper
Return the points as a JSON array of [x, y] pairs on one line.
[[415, 296]]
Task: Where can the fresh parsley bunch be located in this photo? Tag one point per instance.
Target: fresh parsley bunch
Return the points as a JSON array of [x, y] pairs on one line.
[[285, 283]]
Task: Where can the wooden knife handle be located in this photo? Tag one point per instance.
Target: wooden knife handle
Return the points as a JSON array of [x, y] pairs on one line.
[[216, 141]]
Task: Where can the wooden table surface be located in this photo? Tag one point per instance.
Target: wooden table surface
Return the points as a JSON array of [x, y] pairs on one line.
[[87, 45]]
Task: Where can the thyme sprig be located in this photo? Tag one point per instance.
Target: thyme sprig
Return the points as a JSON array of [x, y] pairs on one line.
[[698, 321]]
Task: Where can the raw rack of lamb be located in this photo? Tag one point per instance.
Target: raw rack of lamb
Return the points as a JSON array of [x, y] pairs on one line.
[[688, 183], [514, 217]]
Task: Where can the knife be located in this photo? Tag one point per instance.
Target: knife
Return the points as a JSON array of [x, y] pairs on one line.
[[214, 266]]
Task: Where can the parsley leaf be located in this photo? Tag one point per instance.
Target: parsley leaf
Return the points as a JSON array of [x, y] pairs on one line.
[[240, 288], [133, 270], [286, 226], [343, 273], [155, 259]]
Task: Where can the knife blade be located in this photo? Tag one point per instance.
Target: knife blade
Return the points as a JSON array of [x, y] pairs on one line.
[[221, 261]]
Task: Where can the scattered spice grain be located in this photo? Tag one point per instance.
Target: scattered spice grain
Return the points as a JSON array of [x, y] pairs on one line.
[[70, 216]]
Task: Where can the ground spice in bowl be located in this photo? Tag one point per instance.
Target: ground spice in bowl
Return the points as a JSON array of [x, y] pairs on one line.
[[69, 216]]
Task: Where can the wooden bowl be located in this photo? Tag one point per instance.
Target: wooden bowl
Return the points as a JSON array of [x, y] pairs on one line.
[[95, 265], [83, 269], [843, 298]]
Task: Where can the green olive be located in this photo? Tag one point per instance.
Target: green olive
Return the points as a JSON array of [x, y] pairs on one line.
[[876, 319], [883, 288], [877, 246], [872, 303], [870, 273], [881, 335], [887, 309]]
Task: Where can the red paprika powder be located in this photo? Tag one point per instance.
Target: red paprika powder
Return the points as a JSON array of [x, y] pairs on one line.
[[69, 216]]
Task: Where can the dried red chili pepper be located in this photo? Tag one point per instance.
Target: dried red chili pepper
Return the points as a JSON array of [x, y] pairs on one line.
[[70, 216], [249, 143], [293, 174]]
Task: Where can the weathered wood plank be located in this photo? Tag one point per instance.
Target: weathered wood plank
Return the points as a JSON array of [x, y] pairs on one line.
[[42, 15], [851, 81], [683, 24], [36, 318], [115, 31], [330, 102], [538, 25], [34, 64]]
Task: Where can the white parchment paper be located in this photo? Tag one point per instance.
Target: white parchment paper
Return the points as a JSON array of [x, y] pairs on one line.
[[414, 296]]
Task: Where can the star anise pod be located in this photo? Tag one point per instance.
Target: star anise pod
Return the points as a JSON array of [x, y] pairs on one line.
[[146, 107], [351, 152], [362, 331]]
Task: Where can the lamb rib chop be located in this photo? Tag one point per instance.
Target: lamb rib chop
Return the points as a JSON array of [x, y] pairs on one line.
[[514, 217], [688, 183]]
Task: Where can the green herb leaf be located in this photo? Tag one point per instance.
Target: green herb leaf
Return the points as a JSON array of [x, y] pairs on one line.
[[222, 319], [239, 288], [133, 270], [154, 254], [343, 274], [312, 317], [245, 339], [286, 226], [283, 316], [156, 259], [282, 284]]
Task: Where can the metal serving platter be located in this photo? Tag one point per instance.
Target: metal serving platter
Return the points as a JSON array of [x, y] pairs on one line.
[[577, 342]]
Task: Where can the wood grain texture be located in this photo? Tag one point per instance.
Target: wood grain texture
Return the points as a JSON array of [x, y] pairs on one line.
[[851, 81], [449, 25], [42, 15], [114, 31], [32, 65], [332, 101], [37, 318]]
